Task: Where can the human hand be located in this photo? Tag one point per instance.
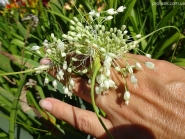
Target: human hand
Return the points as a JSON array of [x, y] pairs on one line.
[[156, 108]]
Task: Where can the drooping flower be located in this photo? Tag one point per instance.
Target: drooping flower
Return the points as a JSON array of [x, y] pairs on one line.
[[121, 9]]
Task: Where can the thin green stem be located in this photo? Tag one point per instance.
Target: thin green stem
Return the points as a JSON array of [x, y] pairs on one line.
[[13, 113], [97, 66]]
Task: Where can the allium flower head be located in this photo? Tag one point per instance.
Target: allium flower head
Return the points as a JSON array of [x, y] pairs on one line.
[[88, 43]]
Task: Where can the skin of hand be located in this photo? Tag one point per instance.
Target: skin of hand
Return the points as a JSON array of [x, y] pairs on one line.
[[156, 109]]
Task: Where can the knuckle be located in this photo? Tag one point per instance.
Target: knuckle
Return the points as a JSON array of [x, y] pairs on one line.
[[84, 123]]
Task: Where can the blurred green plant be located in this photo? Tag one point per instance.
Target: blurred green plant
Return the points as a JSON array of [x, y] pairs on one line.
[[27, 25]]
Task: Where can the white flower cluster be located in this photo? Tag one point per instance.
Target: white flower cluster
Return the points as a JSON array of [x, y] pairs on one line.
[[88, 38]]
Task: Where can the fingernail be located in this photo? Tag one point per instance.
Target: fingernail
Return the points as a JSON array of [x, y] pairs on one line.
[[45, 104]]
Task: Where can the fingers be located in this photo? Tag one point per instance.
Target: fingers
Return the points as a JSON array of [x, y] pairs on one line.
[[84, 120]]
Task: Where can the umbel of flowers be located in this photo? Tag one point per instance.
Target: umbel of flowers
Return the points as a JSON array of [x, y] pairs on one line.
[[88, 43]]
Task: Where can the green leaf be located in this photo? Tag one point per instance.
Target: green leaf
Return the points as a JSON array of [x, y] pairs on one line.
[[179, 61]]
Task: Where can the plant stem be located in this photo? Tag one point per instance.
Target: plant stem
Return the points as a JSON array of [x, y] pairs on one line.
[[97, 67]]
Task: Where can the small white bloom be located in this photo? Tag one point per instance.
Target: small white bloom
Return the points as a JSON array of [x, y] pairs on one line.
[[107, 72], [48, 51], [84, 71], [60, 46], [72, 22], [89, 81], [34, 48], [111, 11], [133, 79], [45, 43], [54, 83], [148, 55], [75, 19], [71, 83], [52, 36], [63, 54], [150, 65], [125, 32], [138, 36], [78, 52], [126, 97], [66, 90], [106, 84], [69, 70], [65, 65], [92, 13], [102, 50], [74, 59], [108, 18], [123, 27], [112, 55], [60, 75], [97, 90], [121, 9], [46, 81], [117, 69], [138, 66], [97, 14], [130, 70]]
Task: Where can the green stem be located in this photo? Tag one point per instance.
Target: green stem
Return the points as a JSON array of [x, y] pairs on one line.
[[97, 66], [156, 31], [13, 113]]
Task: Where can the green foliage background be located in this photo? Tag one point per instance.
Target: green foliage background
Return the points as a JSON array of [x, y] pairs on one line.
[[17, 37]]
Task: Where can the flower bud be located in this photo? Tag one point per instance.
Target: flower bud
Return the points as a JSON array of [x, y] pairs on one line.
[[54, 83], [126, 97], [148, 55], [110, 11], [138, 66], [108, 18], [121, 9], [150, 65], [34, 48], [133, 79]]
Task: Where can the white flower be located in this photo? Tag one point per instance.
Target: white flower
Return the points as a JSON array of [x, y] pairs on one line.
[[52, 36], [148, 55], [108, 18], [150, 65], [45, 43], [133, 79], [63, 54], [106, 84], [65, 65], [46, 81], [60, 46], [138, 36], [111, 11], [60, 75], [97, 14], [69, 70], [126, 97], [66, 90], [138, 66], [71, 83], [92, 13], [125, 32], [54, 83], [121, 9], [130, 70], [97, 90], [34, 48], [4, 2]]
